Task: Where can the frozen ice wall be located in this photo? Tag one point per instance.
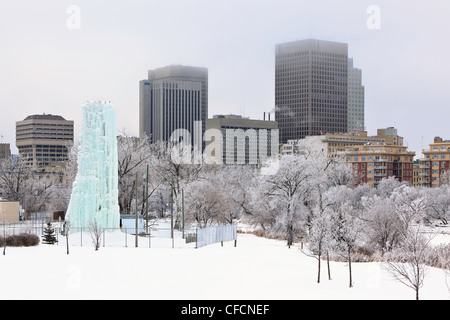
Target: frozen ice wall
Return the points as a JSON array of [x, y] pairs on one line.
[[95, 190]]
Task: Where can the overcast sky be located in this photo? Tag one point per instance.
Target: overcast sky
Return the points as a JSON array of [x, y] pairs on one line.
[[52, 60]]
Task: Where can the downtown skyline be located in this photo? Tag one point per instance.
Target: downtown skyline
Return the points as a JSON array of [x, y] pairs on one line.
[[50, 68]]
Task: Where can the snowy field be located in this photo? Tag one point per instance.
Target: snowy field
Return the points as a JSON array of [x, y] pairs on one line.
[[257, 269]]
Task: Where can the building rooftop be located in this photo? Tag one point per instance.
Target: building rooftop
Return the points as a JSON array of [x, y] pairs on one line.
[[44, 117]]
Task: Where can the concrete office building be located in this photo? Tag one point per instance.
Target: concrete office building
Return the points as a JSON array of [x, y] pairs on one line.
[[44, 140], [245, 141], [5, 151], [173, 97], [311, 88], [355, 99]]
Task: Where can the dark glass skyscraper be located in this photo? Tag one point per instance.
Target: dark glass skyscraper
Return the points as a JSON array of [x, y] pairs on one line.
[[310, 88], [173, 97]]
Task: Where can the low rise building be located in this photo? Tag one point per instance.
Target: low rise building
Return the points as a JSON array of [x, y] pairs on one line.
[[9, 211], [245, 141]]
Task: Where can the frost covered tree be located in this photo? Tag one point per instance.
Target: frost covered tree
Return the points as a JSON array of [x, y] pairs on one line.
[[407, 264], [36, 191], [205, 204], [345, 222], [410, 205], [238, 184], [288, 190], [133, 155], [438, 200], [319, 239], [383, 226], [176, 175]]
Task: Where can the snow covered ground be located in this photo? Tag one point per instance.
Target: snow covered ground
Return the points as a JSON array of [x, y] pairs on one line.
[[256, 269]]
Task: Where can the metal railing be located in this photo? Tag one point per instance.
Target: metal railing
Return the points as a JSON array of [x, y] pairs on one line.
[[158, 235]]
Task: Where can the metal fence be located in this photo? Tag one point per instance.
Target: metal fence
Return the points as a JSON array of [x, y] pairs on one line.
[[157, 235], [214, 234]]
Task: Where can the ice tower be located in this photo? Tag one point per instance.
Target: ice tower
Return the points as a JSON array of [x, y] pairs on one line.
[[95, 190]]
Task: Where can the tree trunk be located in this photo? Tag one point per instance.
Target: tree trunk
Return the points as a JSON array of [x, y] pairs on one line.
[[67, 241], [328, 265], [350, 267], [290, 235], [318, 270], [318, 259]]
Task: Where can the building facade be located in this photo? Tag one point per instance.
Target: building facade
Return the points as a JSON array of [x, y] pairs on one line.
[[44, 140], [435, 163], [335, 144], [355, 99], [173, 97], [311, 88], [10, 210], [372, 163], [5, 151], [245, 141]]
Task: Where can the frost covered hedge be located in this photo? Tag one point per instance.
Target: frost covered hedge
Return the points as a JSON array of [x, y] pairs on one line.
[[20, 240], [439, 257]]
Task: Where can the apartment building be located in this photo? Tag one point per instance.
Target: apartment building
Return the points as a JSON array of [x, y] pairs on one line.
[[334, 144], [372, 163], [435, 163]]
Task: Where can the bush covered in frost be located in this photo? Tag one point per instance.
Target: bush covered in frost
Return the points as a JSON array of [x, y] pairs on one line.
[[20, 240]]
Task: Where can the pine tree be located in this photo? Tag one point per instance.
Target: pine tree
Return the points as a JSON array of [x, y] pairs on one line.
[[49, 236]]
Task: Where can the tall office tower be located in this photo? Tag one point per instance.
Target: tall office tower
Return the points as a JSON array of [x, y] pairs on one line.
[[173, 97], [310, 88], [44, 140], [355, 98]]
